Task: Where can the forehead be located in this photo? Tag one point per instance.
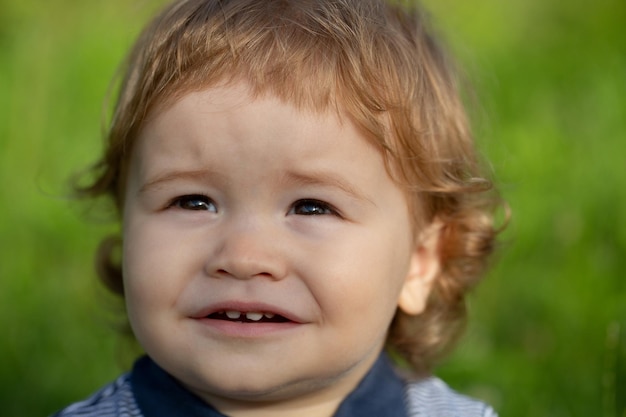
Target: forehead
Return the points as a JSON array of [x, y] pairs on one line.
[[228, 118]]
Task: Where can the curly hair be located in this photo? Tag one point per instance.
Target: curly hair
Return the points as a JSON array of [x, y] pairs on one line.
[[376, 61]]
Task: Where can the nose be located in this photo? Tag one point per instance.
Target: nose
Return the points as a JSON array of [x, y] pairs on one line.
[[246, 252]]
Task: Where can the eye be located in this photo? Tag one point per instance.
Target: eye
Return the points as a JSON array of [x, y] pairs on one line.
[[309, 207], [195, 202]]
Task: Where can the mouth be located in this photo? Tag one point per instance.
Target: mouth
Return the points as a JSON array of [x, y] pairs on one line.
[[248, 317], [248, 320]]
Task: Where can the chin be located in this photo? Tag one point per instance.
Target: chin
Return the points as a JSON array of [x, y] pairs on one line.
[[259, 389]]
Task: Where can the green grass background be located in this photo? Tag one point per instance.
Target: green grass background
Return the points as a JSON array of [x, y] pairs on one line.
[[548, 329]]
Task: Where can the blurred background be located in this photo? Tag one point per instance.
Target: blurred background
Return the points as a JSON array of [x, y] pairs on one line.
[[548, 325]]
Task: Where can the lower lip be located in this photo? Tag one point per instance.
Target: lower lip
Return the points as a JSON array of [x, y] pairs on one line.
[[246, 330]]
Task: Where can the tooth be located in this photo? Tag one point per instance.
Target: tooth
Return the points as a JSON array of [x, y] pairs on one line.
[[269, 315], [233, 315], [254, 316]]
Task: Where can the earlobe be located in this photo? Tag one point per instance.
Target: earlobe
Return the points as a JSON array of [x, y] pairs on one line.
[[423, 270]]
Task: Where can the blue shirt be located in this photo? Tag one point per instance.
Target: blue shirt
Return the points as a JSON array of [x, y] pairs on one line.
[[380, 393], [148, 391]]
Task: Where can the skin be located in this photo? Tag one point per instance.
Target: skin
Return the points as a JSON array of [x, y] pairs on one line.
[[235, 203]]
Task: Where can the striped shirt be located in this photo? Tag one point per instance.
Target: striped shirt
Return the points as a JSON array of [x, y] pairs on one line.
[[147, 391]]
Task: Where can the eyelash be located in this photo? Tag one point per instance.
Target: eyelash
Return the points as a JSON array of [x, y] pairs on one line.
[[200, 202], [320, 208]]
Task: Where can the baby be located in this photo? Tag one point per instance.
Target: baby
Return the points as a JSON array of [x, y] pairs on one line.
[[299, 196]]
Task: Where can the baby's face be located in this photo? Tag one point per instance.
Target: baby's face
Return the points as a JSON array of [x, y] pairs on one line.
[[265, 248]]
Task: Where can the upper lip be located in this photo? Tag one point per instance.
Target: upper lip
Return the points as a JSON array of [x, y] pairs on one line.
[[247, 307]]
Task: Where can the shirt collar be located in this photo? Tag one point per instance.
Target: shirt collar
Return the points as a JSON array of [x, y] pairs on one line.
[[380, 393]]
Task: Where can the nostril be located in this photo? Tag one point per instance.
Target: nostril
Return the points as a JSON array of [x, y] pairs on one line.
[[225, 272]]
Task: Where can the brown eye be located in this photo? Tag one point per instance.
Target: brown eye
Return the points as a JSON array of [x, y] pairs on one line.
[[195, 202]]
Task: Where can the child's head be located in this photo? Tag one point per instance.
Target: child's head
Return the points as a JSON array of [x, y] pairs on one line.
[[220, 103]]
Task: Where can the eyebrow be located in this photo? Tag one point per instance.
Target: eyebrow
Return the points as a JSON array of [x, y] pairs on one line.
[[200, 175], [320, 179], [323, 179]]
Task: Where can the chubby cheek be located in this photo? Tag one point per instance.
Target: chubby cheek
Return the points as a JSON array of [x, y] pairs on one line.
[[361, 289], [153, 270]]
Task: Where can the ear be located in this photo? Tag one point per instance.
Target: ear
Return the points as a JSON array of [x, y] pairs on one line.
[[423, 269]]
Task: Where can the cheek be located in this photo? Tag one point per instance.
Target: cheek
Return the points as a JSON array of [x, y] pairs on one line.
[[154, 277], [360, 279], [154, 266], [139, 272]]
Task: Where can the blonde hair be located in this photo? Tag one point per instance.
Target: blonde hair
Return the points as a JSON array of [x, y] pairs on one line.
[[375, 61]]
